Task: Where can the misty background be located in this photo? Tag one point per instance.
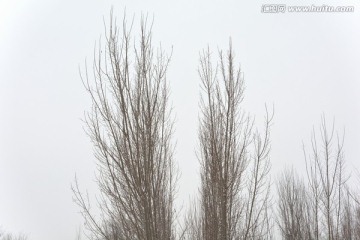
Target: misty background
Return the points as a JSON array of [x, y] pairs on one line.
[[305, 64]]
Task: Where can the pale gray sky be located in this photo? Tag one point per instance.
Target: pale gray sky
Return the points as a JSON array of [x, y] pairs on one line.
[[305, 64]]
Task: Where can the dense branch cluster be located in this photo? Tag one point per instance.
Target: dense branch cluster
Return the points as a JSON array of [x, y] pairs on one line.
[[234, 159], [131, 129]]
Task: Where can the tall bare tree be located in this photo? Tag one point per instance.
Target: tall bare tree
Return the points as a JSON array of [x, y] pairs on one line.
[[130, 127], [234, 160]]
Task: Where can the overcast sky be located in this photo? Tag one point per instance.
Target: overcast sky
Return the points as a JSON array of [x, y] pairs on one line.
[[305, 64]]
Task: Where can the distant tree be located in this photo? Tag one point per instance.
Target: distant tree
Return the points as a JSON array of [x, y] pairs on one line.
[[325, 171], [350, 217], [324, 207], [292, 207], [234, 158], [131, 129], [9, 236]]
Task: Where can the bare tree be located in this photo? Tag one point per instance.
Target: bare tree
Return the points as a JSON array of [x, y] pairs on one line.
[[9, 236], [293, 208], [319, 209], [131, 129], [324, 207], [258, 224], [12, 237], [357, 222], [350, 218], [327, 183], [356, 209], [234, 160]]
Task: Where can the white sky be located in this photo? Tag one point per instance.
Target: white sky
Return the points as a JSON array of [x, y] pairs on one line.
[[305, 64]]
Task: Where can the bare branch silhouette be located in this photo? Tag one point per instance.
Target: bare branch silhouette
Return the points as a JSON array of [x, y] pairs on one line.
[[293, 208], [234, 159], [324, 207], [131, 129]]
